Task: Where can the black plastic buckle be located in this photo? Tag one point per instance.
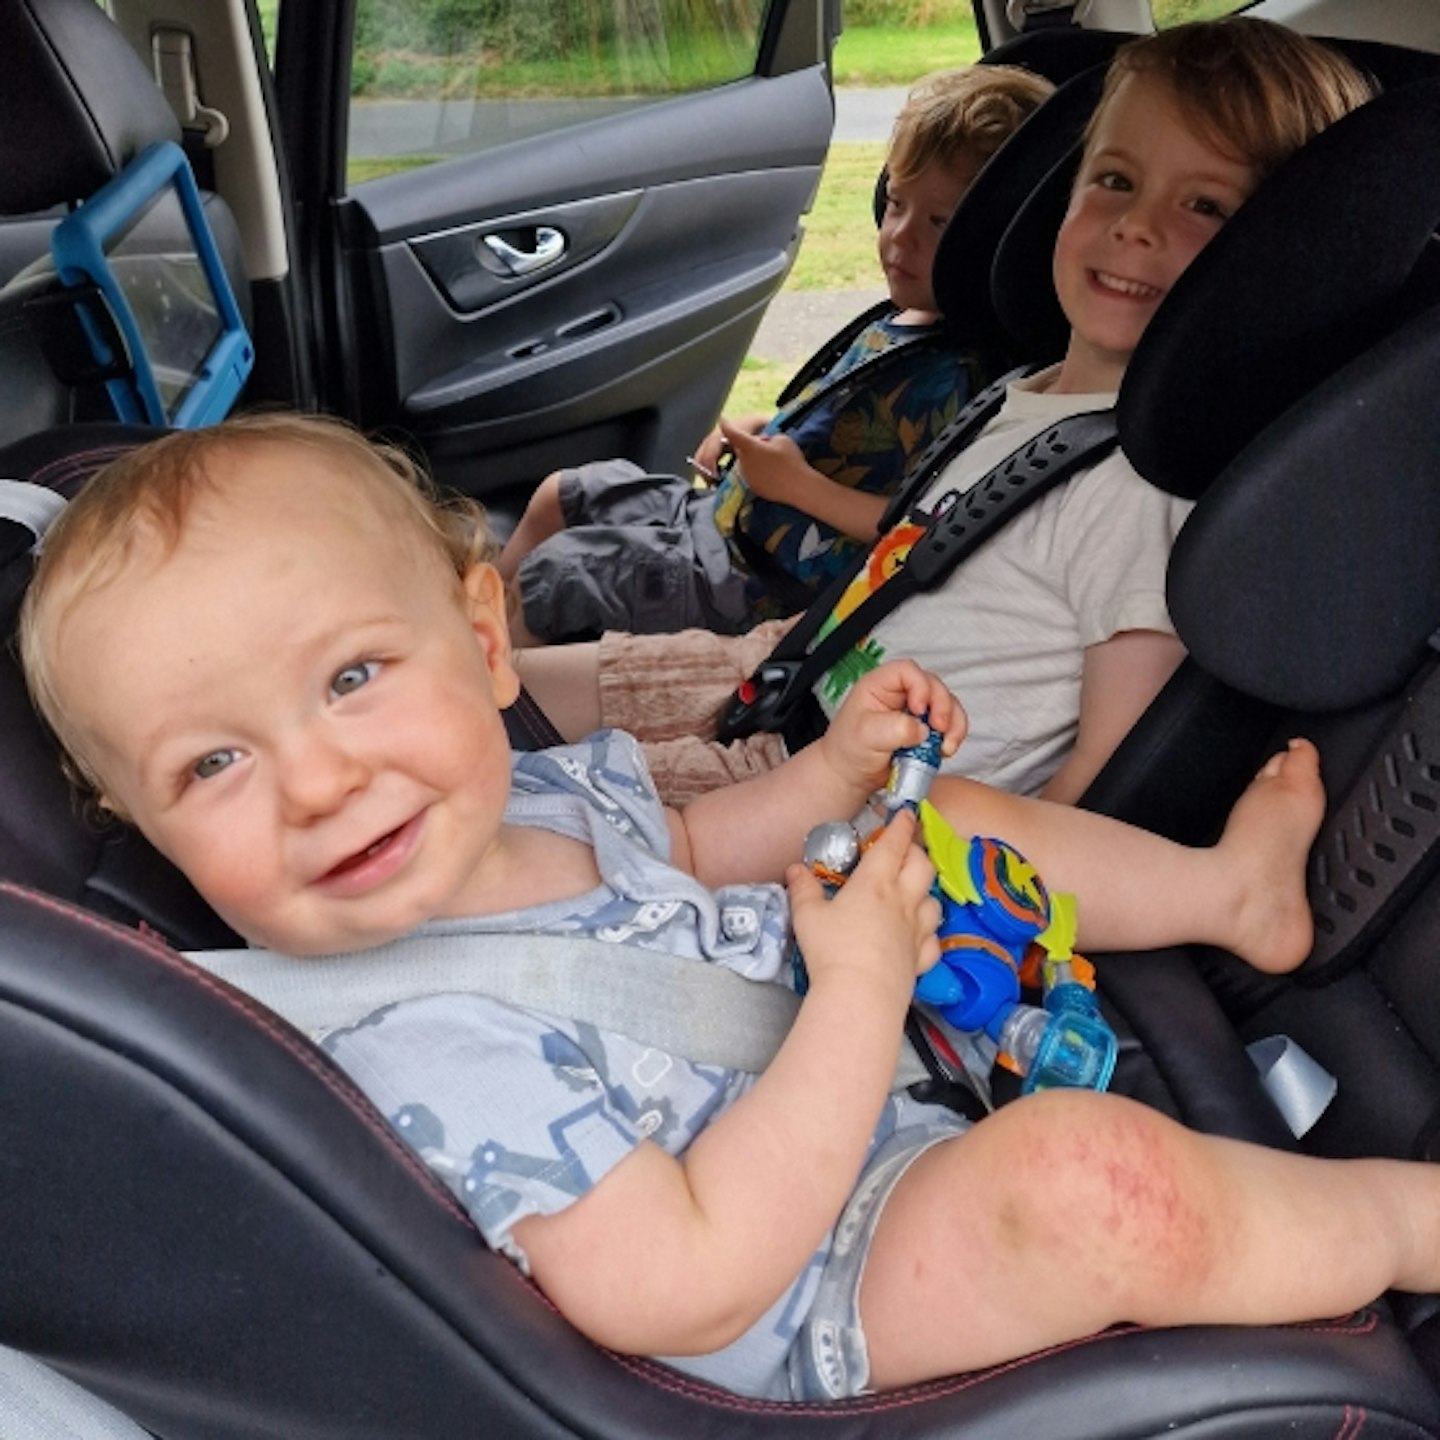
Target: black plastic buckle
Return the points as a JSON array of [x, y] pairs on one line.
[[763, 703]]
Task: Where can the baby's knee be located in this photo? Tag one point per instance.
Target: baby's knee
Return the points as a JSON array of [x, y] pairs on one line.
[[1104, 1172]]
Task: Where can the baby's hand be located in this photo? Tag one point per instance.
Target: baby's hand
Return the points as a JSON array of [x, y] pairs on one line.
[[881, 922], [880, 716], [771, 464]]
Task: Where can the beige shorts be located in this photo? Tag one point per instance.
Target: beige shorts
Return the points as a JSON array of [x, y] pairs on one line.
[[667, 691]]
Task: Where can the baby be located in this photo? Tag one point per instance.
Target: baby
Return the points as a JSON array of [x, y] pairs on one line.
[[263, 645]]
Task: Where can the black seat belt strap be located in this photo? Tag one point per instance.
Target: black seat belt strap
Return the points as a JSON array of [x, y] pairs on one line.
[[977, 413]]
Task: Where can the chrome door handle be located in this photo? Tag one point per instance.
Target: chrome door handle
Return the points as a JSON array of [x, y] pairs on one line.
[[549, 247]]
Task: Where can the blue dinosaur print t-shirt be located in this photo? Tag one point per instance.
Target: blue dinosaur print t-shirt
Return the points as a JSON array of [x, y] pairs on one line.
[[864, 436]]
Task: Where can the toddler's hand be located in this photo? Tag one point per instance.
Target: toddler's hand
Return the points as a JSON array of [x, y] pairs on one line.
[[880, 716], [881, 922], [714, 447], [771, 464]]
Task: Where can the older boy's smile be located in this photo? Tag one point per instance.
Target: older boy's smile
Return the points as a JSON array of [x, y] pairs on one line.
[[1133, 289], [1150, 195]]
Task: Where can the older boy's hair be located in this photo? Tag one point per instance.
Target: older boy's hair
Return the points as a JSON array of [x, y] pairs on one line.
[[144, 498], [1255, 90], [959, 117]]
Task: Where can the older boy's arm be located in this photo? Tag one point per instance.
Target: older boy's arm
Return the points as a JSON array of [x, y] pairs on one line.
[[680, 1256], [1121, 676]]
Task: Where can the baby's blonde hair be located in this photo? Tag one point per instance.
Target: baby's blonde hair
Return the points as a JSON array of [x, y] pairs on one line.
[[143, 501], [959, 117], [1254, 90]]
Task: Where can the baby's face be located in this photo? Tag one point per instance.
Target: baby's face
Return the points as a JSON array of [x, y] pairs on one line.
[[299, 707], [1151, 194]]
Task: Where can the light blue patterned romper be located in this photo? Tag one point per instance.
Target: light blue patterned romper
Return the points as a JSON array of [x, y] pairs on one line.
[[520, 1113]]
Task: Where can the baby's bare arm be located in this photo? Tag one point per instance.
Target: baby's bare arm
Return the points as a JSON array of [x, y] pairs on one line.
[[681, 1256], [756, 829]]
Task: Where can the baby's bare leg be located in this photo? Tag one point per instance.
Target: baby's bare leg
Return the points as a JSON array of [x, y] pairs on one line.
[[1138, 891], [1069, 1211]]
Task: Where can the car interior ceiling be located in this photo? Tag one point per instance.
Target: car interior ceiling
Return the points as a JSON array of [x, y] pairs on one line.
[[207, 1225]]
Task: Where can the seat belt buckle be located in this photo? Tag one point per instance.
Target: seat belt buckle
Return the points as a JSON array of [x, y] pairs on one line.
[[761, 703]]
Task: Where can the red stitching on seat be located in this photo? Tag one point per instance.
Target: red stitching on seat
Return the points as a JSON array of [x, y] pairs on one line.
[[1362, 1323], [55, 473], [1351, 1424]]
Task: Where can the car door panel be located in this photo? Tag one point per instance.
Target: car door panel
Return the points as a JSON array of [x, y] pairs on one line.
[[676, 222]]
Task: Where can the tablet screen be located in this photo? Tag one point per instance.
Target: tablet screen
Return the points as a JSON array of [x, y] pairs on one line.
[[144, 244]]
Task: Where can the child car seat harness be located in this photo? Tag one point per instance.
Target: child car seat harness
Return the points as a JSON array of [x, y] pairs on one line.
[[778, 696]]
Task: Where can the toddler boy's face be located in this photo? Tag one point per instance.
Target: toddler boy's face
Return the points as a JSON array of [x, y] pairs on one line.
[[299, 707], [1151, 194], [916, 212]]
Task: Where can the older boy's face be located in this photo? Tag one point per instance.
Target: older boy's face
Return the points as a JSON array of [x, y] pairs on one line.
[[916, 212], [299, 708], [1150, 196]]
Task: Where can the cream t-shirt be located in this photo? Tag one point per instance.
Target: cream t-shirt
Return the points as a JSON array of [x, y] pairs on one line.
[[1008, 630]]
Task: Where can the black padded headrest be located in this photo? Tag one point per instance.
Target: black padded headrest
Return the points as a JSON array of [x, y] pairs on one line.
[[1058, 52], [1309, 575], [994, 212], [1320, 261], [1388, 65], [71, 78]]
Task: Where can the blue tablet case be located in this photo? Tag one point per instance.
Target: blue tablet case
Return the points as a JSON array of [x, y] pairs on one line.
[[141, 247]]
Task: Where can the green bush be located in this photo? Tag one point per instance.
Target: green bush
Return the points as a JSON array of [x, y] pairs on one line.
[[909, 13]]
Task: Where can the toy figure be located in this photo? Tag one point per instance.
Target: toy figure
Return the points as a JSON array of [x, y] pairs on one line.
[[999, 926]]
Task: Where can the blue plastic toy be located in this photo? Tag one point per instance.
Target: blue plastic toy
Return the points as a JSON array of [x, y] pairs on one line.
[[997, 921]]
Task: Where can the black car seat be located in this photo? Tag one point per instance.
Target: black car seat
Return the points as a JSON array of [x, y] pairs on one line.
[[71, 77], [1307, 590], [206, 1224]]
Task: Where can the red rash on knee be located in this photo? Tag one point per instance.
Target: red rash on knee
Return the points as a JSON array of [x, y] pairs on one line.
[[1112, 1182]]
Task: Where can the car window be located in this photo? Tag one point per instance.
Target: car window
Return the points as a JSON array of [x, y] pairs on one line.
[[432, 79], [1177, 12]]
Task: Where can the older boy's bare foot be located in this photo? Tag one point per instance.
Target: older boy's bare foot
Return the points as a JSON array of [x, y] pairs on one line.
[[1267, 842]]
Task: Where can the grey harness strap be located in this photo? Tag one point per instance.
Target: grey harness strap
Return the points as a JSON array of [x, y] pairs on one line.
[[701, 1012]]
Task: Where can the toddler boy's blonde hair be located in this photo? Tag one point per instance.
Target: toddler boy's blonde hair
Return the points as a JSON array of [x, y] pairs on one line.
[[961, 117]]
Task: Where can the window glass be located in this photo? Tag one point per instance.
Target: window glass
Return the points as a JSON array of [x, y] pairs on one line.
[[1177, 12], [269, 19], [433, 79]]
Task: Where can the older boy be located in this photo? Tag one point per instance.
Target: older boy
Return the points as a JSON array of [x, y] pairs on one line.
[[606, 546], [1056, 631], [259, 644]]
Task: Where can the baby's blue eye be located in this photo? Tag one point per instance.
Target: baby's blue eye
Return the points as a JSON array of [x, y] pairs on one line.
[[352, 677], [212, 764]]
